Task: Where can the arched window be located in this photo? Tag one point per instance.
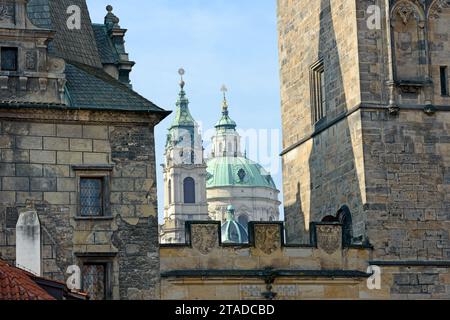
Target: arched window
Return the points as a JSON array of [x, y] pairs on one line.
[[189, 190], [170, 191], [243, 220]]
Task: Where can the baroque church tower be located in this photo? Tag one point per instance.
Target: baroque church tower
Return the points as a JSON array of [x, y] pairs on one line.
[[184, 173]]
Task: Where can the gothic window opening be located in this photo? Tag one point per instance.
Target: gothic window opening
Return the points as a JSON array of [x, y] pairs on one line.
[[318, 93], [444, 80], [91, 197], [189, 190], [9, 59]]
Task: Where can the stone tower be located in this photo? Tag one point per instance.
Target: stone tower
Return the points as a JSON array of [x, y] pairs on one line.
[[184, 173], [366, 121]]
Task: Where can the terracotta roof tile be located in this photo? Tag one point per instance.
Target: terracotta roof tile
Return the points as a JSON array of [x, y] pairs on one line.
[[17, 284]]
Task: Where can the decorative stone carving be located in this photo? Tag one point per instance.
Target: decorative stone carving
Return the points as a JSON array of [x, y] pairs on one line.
[[329, 238], [267, 237], [31, 60], [204, 237], [56, 65], [437, 8], [7, 12], [405, 11]]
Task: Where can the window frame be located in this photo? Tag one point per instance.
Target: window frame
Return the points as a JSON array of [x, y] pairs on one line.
[[194, 191], [95, 172], [16, 49], [106, 259], [318, 92], [443, 78]]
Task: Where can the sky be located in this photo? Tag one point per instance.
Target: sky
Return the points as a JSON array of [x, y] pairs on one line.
[[231, 42]]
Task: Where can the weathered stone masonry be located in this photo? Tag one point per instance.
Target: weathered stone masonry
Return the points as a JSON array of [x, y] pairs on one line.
[[38, 155], [383, 147]]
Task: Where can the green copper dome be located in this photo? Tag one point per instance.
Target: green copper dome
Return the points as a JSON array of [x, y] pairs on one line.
[[233, 231], [237, 171]]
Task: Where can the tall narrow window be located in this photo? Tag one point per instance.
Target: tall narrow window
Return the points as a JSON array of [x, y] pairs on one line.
[[318, 93], [91, 197], [170, 191], [9, 59], [189, 190], [444, 81]]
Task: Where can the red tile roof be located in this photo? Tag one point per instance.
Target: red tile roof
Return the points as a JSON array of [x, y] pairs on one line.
[[17, 284]]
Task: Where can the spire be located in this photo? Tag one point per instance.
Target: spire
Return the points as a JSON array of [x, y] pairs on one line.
[[183, 117], [225, 103], [182, 101], [225, 122]]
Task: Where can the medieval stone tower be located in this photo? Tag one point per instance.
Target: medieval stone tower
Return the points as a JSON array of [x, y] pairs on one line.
[[366, 120], [184, 173]]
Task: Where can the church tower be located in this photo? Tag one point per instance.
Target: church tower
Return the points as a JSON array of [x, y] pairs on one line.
[[184, 173]]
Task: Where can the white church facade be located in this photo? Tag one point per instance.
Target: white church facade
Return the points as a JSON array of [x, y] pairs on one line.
[[199, 188]]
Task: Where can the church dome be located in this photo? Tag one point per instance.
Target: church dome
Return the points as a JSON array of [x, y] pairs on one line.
[[237, 171], [233, 231]]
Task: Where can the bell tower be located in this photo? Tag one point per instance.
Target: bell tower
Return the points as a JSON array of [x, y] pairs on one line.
[[184, 173]]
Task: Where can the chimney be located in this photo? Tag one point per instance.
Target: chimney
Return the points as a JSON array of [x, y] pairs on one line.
[[28, 241]]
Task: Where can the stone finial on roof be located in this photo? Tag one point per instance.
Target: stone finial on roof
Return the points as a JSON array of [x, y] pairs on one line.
[[111, 20]]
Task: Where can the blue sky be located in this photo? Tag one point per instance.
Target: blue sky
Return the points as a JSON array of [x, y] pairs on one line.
[[217, 42]]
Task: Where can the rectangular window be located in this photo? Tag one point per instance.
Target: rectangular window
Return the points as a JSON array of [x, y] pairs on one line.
[[318, 93], [95, 281], [91, 197], [9, 59], [444, 81]]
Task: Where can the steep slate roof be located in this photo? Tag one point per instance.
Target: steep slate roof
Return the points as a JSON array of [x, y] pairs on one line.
[[88, 85], [92, 88], [106, 49], [16, 284]]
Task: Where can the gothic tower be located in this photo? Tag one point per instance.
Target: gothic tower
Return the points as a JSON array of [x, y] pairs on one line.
[[366, 129], [184, 173]]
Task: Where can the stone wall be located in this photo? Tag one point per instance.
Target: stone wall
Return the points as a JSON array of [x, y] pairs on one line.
[[40, 151], [204, 268], [386, 157], [322, 164]]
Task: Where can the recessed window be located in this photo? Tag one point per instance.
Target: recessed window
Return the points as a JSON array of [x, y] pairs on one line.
[[91, 197], [318, 93], [189, 190], [444, 80], [9, 59], [94, 281]]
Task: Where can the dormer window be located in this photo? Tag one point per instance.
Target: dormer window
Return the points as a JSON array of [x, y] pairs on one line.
[[9, 59]]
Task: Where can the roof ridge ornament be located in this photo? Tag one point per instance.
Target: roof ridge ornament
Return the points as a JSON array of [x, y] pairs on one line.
[[111, 20]]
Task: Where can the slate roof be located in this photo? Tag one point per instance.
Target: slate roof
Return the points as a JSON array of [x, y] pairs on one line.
[[88, 86], [91, 88], [106, 49], [17, 284]]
